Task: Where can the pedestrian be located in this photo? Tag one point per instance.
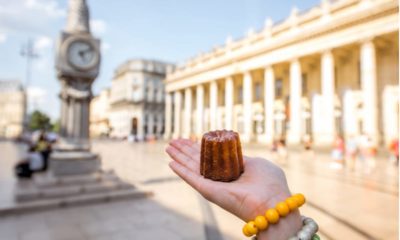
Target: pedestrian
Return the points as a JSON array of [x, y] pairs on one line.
[[282, 151], [368, 152], [351, 152], [307, 142], [338, 152], [262, 186], [394, 150], [43, 146]]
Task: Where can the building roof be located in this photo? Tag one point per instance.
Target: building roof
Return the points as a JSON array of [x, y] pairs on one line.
[[144, 65], [10, 85]]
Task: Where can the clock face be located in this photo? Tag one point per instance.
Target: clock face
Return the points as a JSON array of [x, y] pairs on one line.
[[82, 55]]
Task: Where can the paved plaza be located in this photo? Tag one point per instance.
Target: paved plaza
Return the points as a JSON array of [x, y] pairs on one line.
[[348, 204]]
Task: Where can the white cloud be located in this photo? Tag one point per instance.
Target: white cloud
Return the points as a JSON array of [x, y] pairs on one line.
[[36, 98], [43, 42], [48, 7], [3, 37], [29, 15], [98, 26]]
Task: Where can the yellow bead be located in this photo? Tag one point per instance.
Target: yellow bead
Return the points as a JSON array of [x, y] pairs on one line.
[[282, 208], [272, 215], [300, 198], [292, 203], [251, 228], [245, 231], [261, 223]]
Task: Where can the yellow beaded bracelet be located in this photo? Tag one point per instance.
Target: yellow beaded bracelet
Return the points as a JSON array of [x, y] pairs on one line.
[[272, 215]]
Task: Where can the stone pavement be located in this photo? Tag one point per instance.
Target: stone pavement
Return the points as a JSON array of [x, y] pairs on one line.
[[346, 204]]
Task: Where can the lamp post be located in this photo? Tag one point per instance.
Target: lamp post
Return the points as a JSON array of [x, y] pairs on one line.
[[28, 52]]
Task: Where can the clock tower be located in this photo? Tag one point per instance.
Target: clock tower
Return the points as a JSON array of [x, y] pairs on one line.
[[77, 65]]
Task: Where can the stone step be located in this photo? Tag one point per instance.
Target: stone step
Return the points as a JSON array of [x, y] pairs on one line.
[[86, 198], [55, 191], [45, 180]]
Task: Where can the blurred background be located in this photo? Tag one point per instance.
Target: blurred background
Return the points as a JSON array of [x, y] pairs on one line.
[[91, 92]]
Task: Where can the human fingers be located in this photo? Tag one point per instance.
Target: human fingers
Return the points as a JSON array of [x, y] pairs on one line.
[[195, 180], [182, 158], [188, 148], [191, 143]]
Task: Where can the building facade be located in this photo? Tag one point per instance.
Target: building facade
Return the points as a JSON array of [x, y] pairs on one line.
[[331, 70], [99, 114], [137, 99], [12, 108]]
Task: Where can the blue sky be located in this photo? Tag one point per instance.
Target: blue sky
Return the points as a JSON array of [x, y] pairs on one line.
[[170, 30]]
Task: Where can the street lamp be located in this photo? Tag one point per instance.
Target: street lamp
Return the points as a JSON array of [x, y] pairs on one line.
[[29, 53]]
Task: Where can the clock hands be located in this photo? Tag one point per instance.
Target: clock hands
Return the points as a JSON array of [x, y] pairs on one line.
[[83, 53]]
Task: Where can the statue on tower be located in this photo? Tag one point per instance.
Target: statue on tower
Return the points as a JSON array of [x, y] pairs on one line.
[[77, 65]]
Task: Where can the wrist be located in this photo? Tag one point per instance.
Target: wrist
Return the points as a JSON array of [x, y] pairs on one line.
[[287, 226]]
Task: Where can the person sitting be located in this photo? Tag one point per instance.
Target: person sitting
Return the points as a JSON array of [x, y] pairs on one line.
[[32, 163]]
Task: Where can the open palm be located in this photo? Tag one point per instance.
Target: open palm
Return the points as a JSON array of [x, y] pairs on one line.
[[260, 187]]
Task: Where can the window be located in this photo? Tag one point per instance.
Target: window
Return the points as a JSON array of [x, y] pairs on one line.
[[240, 94], [258, 92], [304, 84], [278, 88]]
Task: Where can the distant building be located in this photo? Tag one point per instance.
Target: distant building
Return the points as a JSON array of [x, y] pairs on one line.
[[137, 99], [12, 108], [99, 114], [331, 70]]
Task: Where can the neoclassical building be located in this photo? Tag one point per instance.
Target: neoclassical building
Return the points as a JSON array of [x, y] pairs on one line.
[[330, 70], [137, 99], [99, 114], [12, 108]]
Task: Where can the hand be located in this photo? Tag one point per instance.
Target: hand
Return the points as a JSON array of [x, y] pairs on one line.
[[260, 187]]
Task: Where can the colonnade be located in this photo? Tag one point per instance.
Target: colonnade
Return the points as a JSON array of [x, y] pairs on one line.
[[182, 111]]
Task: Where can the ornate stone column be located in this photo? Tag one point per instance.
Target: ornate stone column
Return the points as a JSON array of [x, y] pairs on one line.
[[177, 114], [168, 116], [199, 110], [188, 113], [295, 102], [328, 93], [228, 103], [213, 105], [247, 106], [369, 89], [269, 101]]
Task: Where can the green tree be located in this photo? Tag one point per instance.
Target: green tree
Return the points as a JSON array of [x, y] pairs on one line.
[[39, 121], [56, 126]]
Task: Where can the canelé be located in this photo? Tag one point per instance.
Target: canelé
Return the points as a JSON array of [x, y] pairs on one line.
[[221, 156]]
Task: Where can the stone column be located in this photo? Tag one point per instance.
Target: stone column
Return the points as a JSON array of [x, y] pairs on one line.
[[70, 120], [177, 114], [269, 102], [150, 124], [160, 124], [228, 103], [188, 112], [328, 93], [369, 89], [247, 107], [295, 102], [213, 105], [168, 115], [199, 110]]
